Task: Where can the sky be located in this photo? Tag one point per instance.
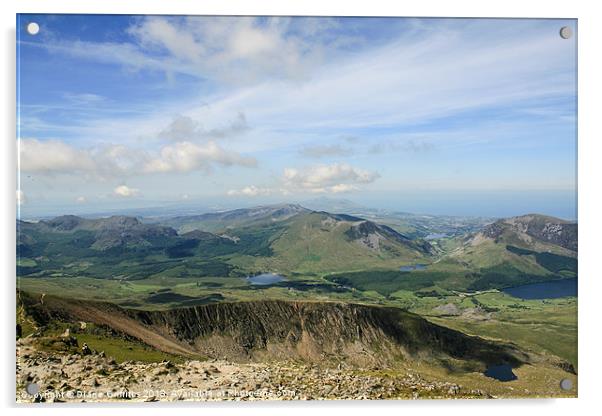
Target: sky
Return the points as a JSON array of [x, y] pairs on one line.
[[456, 116]]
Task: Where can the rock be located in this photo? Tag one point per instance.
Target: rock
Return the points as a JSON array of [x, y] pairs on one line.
[[213, 370], [160, 371], [86, 350], [307, 381], [449, 309]]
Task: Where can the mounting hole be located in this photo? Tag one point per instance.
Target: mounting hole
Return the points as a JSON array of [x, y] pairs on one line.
[[33, 28], [566, 384], [566, 32], [32, 389]]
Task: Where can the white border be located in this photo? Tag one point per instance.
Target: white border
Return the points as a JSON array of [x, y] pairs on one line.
[[590, 35]]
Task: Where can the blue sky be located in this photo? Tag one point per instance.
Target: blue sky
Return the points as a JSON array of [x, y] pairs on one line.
[[124, 111]]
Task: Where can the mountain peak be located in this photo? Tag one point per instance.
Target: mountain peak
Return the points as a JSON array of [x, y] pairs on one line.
[[540, 227], [65, 222], [119, 221], [372, 235]]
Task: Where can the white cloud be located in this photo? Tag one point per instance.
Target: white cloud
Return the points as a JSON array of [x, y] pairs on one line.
[[20, 197], [125, 191], [110, 160], [187, 157], [159, 33], [420, 72], [53, 156], [239, 50], [411, 78], [343, 187], [59, 157], [337, 177], [446, 71], [81, 200], [251, 190]]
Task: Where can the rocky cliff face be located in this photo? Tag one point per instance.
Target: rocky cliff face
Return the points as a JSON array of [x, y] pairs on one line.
[[279, 330], [316, 331], [543, 228], [371, 235]]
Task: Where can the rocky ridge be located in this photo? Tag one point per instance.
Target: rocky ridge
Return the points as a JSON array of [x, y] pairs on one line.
[[97, 378]]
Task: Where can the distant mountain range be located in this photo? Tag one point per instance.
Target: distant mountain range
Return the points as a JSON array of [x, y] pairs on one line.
[[289, 238], [219, 221]]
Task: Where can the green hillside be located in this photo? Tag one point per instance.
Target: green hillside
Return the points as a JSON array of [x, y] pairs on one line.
[[318, 253], [519, 250], [319, 242], [125, 248]]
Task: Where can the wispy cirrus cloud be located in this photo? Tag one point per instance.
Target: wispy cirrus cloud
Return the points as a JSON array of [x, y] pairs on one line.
[[180, 97], [320, 151], [185, 128], [425, 72], [236, 50], [402, 145], [85, 98]]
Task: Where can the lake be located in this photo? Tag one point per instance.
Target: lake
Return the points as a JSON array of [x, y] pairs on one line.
[[265, 279], [501, 372], [412, 267], [435, 236], [545, 290]]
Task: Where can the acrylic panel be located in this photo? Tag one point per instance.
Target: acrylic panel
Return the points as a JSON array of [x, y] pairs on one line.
[[295, 208]]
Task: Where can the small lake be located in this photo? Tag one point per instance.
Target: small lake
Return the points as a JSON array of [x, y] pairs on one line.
[[412, 267], [501, 372], [545, 290], [265, 279], [435, 236]]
